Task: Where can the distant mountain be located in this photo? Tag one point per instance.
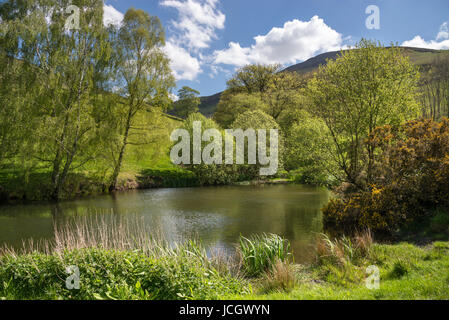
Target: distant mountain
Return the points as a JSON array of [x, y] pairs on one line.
[[209, 104], [419, 56]]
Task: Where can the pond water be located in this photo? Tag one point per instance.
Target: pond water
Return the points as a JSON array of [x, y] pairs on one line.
[[216, 215]]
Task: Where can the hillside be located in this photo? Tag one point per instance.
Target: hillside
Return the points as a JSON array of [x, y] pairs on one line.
[[419, 56]]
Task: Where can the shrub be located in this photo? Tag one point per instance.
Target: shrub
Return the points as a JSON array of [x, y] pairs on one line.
[[214, 174], [260, 252], [257, 119], [174, 178], [408, 180], [440, 222]]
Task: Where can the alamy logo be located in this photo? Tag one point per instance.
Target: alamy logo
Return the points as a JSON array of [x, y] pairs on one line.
[[212, 153], [372, 282], [73, 281], [73, 21], [373, 20]]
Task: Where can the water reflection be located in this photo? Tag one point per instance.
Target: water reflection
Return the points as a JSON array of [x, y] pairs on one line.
[[216, 215]]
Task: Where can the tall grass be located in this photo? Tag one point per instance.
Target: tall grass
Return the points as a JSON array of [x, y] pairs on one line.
[[344, 250], [117, 259], [281, 277], [260, 252]]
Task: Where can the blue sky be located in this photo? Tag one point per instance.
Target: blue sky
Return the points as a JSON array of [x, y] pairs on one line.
[[208, 39]]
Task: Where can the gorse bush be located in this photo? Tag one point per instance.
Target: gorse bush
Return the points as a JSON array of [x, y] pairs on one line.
[[410, 175], [260, 252]]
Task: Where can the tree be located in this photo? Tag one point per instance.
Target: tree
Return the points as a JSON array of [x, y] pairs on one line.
[[262, 87], [65, 66], [435, 87], [257, 119], [143, 71], [362, 89], [253, 78], [284, 96], [309, 151], [232, 105], [188, 102]]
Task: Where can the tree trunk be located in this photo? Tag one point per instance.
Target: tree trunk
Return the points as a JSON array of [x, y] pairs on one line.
[[118, 166]]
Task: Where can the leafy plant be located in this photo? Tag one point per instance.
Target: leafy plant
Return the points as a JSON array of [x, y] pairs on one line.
[[260, 252]]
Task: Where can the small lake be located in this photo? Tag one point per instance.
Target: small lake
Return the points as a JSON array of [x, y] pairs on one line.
[[216, 215]]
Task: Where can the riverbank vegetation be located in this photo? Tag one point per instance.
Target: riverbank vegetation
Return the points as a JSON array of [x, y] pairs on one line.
[[121, 261]]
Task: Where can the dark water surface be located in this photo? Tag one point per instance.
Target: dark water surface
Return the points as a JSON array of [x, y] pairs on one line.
[[217, 215]]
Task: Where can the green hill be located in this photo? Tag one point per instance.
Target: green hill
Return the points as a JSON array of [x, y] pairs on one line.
[[419, 56]]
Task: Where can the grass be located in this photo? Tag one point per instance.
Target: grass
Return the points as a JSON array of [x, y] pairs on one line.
[[407, 272], [115, 261], [120, 260]]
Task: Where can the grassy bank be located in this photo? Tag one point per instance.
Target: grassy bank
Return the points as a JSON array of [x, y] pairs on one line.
[[116, 261], [144, 166], [122, 262], [407, 272]]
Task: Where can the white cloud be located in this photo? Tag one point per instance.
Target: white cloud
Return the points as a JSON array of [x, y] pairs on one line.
[[295, 41], [198, 21], [173, 97], [112, 16], [444, 32], [419, 42], [184, 66]]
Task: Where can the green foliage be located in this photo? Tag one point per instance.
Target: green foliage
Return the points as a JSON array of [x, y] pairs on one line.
[[309, 151], [144, 70], [188, 102], [60, 115], [182, 273], [261, 87], [363, 88], [253, 78], [235, 104], [440, 222], [399, 270], [169, 178], [213, 174], [260, 252], [424, 279]]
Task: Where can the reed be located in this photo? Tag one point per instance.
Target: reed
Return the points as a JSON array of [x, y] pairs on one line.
[[260, 252]]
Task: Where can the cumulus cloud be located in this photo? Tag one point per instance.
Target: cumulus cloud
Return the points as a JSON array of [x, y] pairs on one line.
[[295, 41], [184, 66], [198, 21], [444, 32], [112, 16], [440, 43]]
